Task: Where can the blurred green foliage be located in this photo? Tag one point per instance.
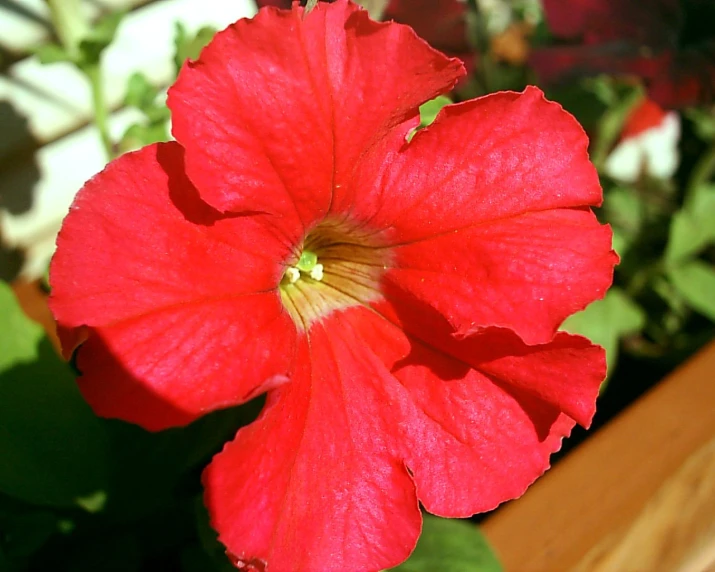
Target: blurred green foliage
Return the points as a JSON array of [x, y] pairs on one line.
[[450, 545], [662, 305], [150, 99], [53, 447], [88, 49]]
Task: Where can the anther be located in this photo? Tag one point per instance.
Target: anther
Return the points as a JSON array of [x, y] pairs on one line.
[[293, 274], [316, 273]]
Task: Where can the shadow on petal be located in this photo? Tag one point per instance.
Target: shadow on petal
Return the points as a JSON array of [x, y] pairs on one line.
[[184, 194], [427, 328]]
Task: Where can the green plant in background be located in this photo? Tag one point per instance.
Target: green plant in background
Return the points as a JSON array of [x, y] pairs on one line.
[[150, 99], [663, 231], [453, 545], [688, 257], [154, 125], [82, 44]]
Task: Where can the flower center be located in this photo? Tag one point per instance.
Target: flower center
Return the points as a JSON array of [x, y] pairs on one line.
[[338, 266], [307, 264]]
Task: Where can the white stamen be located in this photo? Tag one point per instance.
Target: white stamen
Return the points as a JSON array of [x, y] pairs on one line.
[[317, 272], [293, 274]]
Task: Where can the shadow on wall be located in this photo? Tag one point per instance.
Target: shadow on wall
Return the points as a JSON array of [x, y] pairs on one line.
[[19, 173]]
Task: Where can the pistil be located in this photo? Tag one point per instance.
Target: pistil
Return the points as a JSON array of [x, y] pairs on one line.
[[339, 266], [307, 264]]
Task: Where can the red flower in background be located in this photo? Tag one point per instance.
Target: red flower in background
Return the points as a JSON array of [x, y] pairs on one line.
[[670, 44], [442, 23], [397, 300], [648, 144]]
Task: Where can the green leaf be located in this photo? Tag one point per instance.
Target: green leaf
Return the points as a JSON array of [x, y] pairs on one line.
[[703, 122], [53, 446], [188, 46], [158, 115], [147, 466], [118, 552], [214, 551], [106, 28], [606, 321], [430, 109], [602, 87], [582, 103], [99, 37], [194, 559], [140, 92], [687, 237], [695, 280], [621, 242], [137, 136], [624, 211], [692, 228], [24, 532], [144, 96], [52, 53], [376, 8], [450, 545], [18, 335]]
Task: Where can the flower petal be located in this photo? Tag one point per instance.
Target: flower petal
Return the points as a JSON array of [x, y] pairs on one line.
[[474, 421], [486, 411], [159, 285], [526, 273], [483, 160], [138, 238], [471, 443], [315, 482], [172, 366], [282, 129], [545, 371]]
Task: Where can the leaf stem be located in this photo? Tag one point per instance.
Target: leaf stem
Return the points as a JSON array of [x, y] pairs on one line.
[[69, 23], [72, 27], [702, 172], [101, 115], [611, 126]]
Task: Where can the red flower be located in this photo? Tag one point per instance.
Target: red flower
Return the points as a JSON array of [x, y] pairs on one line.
[[661, 42], [416, 358]]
